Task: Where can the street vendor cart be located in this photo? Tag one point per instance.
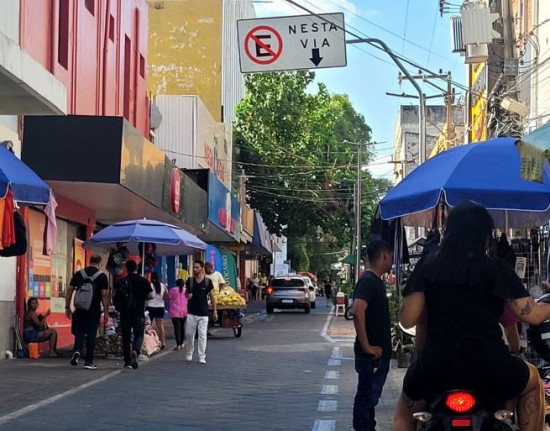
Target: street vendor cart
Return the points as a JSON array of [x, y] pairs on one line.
[[230, 316]]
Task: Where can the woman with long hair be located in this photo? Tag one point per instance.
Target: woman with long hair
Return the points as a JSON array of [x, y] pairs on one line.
[[156, 306], [460, 290], [178, 311]]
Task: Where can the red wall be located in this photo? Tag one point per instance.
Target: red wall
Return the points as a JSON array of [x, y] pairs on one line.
[[96, 69]]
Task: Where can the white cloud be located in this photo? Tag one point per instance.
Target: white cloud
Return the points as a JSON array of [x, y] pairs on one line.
[[283, 8]]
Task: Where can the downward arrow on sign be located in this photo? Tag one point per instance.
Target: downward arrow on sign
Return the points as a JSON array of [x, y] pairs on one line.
[[315, 56]]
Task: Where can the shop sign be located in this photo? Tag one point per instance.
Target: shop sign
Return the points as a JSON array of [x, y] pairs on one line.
[[478, 112], [175, 189]]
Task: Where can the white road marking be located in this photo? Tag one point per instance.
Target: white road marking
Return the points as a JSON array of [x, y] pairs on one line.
[[334, 362], [324, 425], [32, 407], [329, 390], [336, 353], [327, 406], [332, 375]]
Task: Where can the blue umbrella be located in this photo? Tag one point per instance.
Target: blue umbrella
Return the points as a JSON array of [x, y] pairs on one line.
[[170, 240], [486, 172], [27, 187]]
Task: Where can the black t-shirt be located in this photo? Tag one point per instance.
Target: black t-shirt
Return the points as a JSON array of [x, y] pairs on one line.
[[198, 304], [141, 288], [457, 312], [328, 289], [377, 316], [101, 284]]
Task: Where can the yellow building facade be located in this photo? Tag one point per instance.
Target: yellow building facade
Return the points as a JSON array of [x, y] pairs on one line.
[[185, 50]]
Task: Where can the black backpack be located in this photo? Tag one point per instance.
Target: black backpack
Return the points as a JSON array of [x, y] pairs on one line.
[[123, 299]]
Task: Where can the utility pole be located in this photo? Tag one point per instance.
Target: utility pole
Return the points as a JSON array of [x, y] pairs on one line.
[[358, 214], [446, 93]]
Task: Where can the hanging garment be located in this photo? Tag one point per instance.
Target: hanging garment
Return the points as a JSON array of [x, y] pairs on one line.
[[20, 246], [50, 246], [8, 231]]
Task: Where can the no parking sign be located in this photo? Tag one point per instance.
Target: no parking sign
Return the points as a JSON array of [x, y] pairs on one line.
[[296, 42]]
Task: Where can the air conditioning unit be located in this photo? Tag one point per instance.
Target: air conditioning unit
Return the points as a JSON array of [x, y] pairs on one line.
[[456, 35]]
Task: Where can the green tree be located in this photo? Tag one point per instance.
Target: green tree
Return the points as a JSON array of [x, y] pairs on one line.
[[291, 142]]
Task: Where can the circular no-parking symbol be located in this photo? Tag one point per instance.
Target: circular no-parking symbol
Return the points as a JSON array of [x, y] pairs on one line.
[[263, 45]]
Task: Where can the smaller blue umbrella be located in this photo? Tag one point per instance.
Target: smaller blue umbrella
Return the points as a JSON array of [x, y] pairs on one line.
[[170, 240], [485, 172], [27, 187]]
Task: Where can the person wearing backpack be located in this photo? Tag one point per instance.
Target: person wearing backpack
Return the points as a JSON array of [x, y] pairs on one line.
[[129, 300], [91, 289]]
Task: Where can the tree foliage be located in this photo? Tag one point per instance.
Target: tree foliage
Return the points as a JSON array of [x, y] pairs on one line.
[[298, 149]]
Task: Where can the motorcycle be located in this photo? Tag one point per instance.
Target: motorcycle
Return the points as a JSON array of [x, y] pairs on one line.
[[464, 410]]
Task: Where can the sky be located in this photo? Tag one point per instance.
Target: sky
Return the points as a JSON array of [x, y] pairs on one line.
[[412, 28]]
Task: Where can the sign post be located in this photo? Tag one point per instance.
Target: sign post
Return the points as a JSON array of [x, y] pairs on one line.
[[289, 43]]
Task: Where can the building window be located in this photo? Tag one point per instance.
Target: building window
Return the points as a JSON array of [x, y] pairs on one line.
[[141, 66], [127, 75], [63, 39], [90, 5], [111, 28]]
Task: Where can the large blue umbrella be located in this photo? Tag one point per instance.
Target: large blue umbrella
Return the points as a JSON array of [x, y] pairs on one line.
[[170, 240], [486, 172], [27, 187]]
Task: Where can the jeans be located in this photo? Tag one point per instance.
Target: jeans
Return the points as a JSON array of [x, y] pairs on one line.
[[179, 329], [193, 324], [84, 325], [131, 323], [372, 376]]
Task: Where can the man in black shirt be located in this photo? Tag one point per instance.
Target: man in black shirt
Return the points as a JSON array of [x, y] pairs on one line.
[[371, 317], [198, 289], [84, 323], [133, 318]]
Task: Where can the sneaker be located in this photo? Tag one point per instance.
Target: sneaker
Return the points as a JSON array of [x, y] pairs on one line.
[[90, 366], [128, 366], [74, 358], [189, 356], [134, 362], [202, 361]]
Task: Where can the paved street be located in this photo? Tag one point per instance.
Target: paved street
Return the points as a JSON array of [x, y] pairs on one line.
[[288, 371]]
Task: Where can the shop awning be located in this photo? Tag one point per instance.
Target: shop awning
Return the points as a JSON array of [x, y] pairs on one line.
[[105, 164], [349, 259], [261, 241], [26, 87]]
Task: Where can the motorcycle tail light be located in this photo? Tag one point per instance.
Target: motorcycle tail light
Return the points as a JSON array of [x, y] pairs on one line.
[[459, 423], [460, 402], [269, 290]]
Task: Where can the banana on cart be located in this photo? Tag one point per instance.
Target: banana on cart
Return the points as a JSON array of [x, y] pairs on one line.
[[228, 296]]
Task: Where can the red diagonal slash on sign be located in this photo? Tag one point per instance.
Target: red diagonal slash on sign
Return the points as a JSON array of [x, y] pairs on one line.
[[269, 54]]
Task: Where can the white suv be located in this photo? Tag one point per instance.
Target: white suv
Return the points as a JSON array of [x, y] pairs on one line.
[[311, 290]]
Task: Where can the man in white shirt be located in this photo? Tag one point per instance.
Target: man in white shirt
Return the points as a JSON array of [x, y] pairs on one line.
[[217, 279]]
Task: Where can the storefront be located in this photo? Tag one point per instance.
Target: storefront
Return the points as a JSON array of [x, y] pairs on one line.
[[102, 171]]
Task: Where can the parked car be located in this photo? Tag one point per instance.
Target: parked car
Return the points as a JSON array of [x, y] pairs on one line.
[[287, 293]]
